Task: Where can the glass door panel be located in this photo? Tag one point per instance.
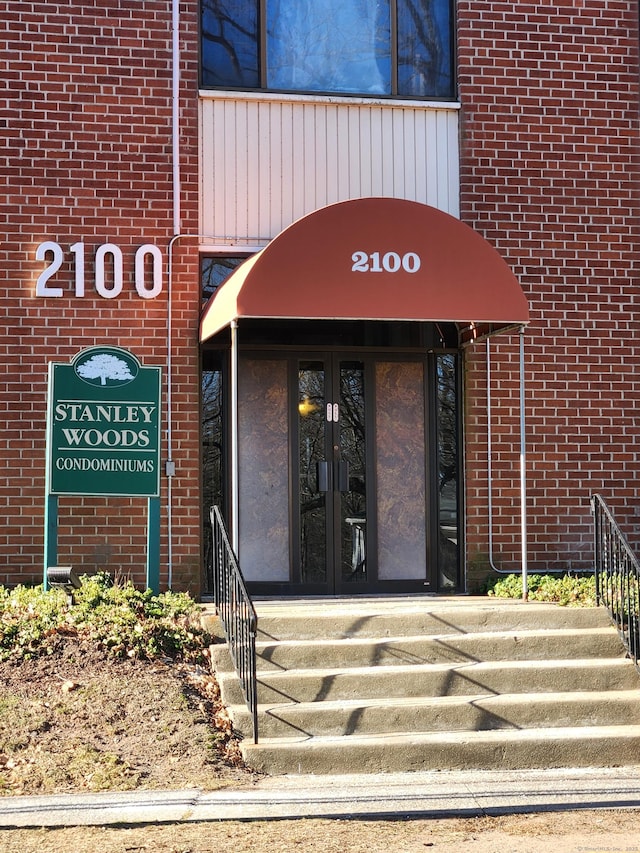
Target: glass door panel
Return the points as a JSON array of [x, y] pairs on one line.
[[448, 468], [331, 494], [212, 438], [313, 472], [351, 462], [348, 471]]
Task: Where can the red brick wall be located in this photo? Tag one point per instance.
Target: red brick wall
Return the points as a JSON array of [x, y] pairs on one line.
[[549, 176], [86, 125]]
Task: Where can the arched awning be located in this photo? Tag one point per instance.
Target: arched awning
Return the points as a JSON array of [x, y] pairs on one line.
[[373, 259]]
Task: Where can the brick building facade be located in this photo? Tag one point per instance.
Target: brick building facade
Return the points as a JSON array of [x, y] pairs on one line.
[[87, 118], [537, 153], [549, 175]]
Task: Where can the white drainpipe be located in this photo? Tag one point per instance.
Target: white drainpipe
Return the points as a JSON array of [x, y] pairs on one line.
[[175, 112], [175, 156]]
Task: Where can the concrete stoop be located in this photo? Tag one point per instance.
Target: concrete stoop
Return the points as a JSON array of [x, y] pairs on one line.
[[403, 684]]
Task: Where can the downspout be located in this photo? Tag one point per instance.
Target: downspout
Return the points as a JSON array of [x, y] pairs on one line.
[[170, 466], [175, 156], [523, 493], [175, 112]]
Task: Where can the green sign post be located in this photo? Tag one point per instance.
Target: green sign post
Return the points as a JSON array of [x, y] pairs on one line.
[[103, 438]]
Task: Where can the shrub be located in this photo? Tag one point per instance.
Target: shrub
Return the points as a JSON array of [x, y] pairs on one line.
[[567, 590], [124, 621]]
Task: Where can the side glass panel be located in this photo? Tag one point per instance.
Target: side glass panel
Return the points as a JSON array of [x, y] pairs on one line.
[[425, 67], [448, 521], [314, 474], [351, 472], [263, 435], [229, 43], [333, 46], [212, 454], [400, 470], [214, 270]]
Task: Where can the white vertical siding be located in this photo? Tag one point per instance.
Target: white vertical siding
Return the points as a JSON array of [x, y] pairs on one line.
[[268, 160]]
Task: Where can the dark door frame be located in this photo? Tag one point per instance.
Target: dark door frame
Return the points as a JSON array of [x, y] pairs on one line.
[[394, 346], [332, 477]]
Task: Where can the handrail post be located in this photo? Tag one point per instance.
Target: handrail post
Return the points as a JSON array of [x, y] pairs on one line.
[[597, 555], [237, 614], [617, 575]]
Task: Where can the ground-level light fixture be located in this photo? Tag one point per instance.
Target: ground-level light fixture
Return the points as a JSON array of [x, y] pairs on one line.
[[63, 577]]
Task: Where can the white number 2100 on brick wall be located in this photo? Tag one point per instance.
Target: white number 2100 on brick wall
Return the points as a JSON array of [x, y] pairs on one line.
[[108, 273]]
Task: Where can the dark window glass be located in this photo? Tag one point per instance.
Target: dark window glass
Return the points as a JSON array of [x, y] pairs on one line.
[[333, 46], [230, 40], [212, 433], [214, 271], [447, 432], [424, 48]]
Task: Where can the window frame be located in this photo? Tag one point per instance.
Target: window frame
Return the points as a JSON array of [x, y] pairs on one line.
[[394, 95]]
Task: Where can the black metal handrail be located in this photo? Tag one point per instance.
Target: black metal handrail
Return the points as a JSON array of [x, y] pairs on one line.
[[617, 576], [236, 612]]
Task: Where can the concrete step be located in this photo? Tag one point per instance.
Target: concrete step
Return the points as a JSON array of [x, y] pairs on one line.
[[390, 685], [430, 617], [315, 685], [454, 648], [445, 713], [584, 746]]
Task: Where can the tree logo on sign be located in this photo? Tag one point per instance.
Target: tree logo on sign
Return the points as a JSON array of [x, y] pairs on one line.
[[106, 367]]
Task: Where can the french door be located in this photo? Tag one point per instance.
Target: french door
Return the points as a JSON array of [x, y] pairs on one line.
[[348, 472], [330, 473]]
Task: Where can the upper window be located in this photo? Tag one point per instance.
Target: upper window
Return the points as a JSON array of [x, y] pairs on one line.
[[401, 48]]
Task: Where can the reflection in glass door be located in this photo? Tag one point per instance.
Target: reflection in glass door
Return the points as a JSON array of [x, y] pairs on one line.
[[352, 473], [348, 475], [312, 491], [331, 473]]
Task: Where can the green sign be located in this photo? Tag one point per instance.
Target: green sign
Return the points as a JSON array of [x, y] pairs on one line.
[[104, 425]]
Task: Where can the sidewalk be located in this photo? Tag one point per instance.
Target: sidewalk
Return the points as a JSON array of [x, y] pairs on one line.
[[397, 795]]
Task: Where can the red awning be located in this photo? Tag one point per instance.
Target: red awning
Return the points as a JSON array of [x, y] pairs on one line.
[[373, 259]]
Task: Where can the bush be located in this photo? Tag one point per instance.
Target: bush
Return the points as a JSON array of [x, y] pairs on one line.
[[567, 590], [122, 620]]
